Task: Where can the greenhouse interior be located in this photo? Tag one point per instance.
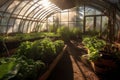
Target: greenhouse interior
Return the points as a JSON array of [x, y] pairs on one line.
[[59, 39]]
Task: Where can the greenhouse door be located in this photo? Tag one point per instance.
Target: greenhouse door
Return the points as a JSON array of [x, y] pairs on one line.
[[93, 23]]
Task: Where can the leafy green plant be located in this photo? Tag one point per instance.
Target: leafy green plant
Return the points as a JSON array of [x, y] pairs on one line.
[[64, 32], [29, 69], [27, 36], [24, 48], [111, 50], [94, 45], [91, 33], [29, 59], [69, 33], [20, 68], [75, 33], [43, 49], [59, 44], [8, 68]]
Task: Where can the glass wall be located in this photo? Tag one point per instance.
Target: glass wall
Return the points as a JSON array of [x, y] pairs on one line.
[[77, 16]]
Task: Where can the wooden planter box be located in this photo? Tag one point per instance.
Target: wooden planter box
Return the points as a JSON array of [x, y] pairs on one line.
[[52, 65]]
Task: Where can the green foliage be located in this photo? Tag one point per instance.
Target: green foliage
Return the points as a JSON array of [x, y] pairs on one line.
[[24, 48], [59, 44], [26, 36], [29, 59], [112, 50], [43, 49], [67, 34], [46, 49], [51, 28], [23, 36], [19, 68], [50, 34], [91, 33], [64, 32], [75, 33], [1, 38], [94, 45], [8, 68], [29, 69]]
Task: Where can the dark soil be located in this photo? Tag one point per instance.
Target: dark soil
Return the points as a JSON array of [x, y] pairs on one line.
[[71, 67]]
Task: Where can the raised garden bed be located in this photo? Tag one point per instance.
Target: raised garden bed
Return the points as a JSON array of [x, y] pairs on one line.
[[11, 44], [32, 58], [52, 65], [103, 56]]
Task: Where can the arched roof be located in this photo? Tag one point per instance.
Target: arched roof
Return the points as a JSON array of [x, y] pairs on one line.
[[71, 3], [26, 11], [99, 4], [30, 11]]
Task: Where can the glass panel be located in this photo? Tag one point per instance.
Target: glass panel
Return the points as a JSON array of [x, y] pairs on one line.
[[43, 16], [104, 23], [5, 19], [64, 24], [72, 16], [38, 13], [20, 7], [12, 6], [89, 23], [64, 16], [91, 11], [3, 8], [3, 29], [11, 22], [16, 25], [98, 23], [25, 9], [25, 27], [44, 27], [59, 16], [32, 26], [72, 24], [29, 26], [34, 5], [79, 24], [21, 26], [35, 12], [9, 30]]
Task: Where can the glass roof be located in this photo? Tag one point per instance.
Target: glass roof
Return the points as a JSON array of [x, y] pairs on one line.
[[18, 13], [24, 11]]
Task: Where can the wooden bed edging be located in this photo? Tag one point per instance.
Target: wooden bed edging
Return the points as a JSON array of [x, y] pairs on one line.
[[52, 65]]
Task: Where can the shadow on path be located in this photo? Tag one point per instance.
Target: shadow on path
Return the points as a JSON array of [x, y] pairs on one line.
[[70, 67], [63, 70]]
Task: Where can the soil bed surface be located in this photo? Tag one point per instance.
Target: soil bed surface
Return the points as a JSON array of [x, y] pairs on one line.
[[71, 67]]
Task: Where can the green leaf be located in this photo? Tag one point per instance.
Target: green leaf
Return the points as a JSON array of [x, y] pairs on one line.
[[8, 70]]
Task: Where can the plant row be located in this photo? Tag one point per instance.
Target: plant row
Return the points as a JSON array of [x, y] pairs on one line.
[[30, 60], [98, 48], [27, 36], [67, 33]]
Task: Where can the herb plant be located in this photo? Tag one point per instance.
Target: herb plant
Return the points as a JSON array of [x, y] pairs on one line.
[[94, 45]]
